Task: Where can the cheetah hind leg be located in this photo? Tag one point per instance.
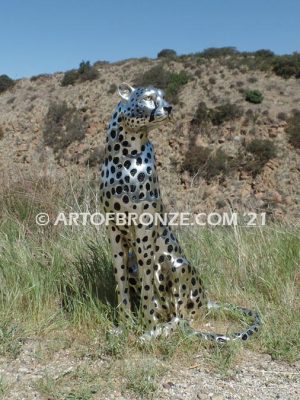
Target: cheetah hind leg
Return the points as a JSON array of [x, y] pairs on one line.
[[165, 329]]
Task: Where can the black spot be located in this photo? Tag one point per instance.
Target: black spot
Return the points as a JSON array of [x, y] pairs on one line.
[[127, 164], [141, 177], [117, 206]]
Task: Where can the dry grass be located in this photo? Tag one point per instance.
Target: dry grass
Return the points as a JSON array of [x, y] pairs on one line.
[[57, 285]]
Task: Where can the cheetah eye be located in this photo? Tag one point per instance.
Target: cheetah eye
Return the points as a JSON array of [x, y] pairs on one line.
[[148, 98]]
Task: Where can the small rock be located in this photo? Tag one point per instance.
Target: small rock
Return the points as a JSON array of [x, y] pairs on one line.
[[168, 385]]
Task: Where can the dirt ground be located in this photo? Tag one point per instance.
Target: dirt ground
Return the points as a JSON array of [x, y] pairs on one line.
[[255, 376]]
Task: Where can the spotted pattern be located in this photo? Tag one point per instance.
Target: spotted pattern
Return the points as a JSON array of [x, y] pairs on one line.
[[151, 270]]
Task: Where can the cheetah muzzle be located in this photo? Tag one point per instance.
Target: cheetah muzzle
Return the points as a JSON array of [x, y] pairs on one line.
[[151, 271]]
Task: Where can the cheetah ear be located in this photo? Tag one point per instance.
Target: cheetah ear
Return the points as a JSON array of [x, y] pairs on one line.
[[125, 90]]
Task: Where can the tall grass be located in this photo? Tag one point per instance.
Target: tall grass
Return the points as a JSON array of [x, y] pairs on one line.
[[60, 277]]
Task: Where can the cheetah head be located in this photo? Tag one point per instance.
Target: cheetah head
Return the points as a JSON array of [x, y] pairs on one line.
[[142, 107]]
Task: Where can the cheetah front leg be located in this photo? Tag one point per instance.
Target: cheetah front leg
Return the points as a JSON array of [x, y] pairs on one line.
[[144, 249], [120, 263]]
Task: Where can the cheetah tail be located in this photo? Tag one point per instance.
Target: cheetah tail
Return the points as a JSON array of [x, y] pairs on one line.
[[242, 335]]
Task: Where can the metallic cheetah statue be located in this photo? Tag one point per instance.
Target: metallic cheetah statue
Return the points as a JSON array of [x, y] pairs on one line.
[[149, 265]]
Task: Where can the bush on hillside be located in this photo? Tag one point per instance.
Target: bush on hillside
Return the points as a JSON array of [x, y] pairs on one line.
[[167, 53], [62, 126], [293, 129], [262, 151], [218, 115], [112, 88], [203, 162], [217, 52], [201, 115], [287, 66], [70, 77], [85, 72], [5, 83], [254, 96], [170, 82], [225, 112]]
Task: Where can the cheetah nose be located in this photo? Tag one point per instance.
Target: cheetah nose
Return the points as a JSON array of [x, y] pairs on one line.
[[168, 109]]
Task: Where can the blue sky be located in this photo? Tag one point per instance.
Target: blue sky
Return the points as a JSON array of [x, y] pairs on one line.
[[44, 36]]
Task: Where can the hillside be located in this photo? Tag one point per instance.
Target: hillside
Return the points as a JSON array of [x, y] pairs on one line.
[[219, 150]]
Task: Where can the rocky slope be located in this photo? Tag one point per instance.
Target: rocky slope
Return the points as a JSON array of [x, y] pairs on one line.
[[274, 189]]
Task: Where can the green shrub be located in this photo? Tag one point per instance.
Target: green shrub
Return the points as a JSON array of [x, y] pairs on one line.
[[161, 78], [40, 76], [264, 53], [262, 151], [293, 129], [214, 52], [167, 53], [62, 126], [70, 77], [225, 112], [85, 72], [287, 66], [218, 115], [5, 83], [175, 82], [254, 96], [156, 76]]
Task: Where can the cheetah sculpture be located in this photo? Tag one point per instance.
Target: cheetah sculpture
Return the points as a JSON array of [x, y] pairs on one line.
[[150, 268]]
